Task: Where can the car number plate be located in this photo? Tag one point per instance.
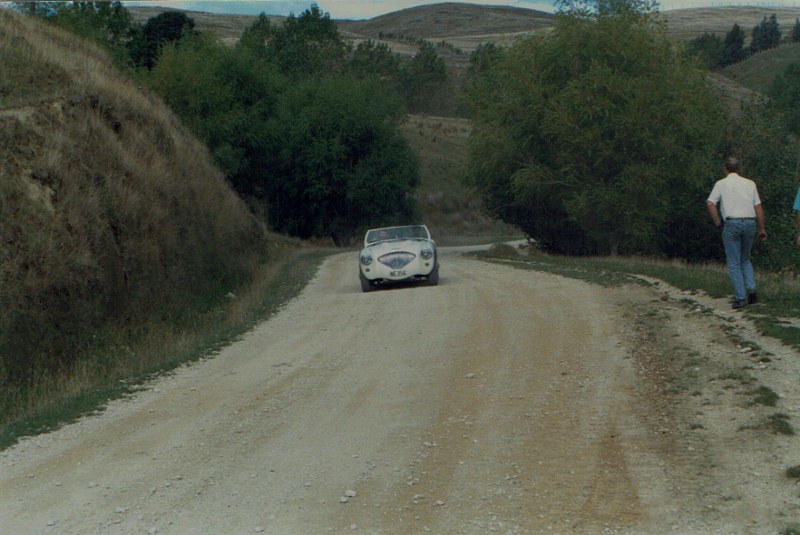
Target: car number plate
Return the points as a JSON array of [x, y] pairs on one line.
[[398, 273]]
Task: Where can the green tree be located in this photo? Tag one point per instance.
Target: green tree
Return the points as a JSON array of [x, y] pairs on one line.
[[708, 48], [478, 80], [590, 9], [167, 27], [344, 165], [374, 59], [771, 157], [108, 24], [228, 98], [766, 35], [796, 31], [308, 45], [593, 134], [784, 94], [734, 51], [423, 79]]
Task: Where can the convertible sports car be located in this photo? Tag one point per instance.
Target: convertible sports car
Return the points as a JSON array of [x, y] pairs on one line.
[[394, 254]]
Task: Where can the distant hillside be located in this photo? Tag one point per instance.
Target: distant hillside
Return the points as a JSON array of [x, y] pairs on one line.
[[757, 72], [686, 24], [450, 20]]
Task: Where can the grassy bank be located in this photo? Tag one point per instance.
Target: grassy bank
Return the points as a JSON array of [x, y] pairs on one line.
[[120, 362], [776, 314]]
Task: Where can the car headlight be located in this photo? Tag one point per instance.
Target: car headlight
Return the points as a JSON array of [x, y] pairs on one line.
[[426, 253], [366, 259]]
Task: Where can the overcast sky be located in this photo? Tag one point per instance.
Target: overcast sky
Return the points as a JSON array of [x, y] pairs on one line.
[[365, 9]]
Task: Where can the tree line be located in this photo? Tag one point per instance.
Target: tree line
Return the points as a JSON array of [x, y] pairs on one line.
[[600, 137], [305, 125], [717, 52], [603, 137]]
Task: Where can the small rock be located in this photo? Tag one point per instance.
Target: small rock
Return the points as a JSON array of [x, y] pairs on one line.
[[470, 376], [351, 494]]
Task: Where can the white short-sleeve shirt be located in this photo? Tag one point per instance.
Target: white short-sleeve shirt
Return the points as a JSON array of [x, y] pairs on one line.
[[737, 196]]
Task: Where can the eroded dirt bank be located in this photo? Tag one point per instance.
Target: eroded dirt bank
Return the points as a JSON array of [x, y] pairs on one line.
[[500, 401]]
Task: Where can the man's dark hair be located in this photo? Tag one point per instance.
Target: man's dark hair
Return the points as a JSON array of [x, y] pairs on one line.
[[731, 164]]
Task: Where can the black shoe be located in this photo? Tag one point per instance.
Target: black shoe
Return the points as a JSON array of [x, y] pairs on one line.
[[739, 304], [752, 298]]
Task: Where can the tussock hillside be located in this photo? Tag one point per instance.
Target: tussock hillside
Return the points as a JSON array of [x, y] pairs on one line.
[[450, 19], [109, 208]]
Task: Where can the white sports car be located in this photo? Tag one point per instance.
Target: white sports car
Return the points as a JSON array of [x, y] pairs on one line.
[[394, 254]]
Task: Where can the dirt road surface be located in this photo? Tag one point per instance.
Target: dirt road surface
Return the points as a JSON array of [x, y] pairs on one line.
[[501, 401]]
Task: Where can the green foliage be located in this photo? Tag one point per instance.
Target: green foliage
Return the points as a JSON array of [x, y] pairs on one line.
[[228, 98], [733, 49], [796, 31], [769, 155], [106, 23], [708, 48], [167, 27], [322, 156], [478, 77], [766, 34], [784, 94], [423, 79], [308, 45], [343, 163], [374, 59], [589, 9], [592, 139]]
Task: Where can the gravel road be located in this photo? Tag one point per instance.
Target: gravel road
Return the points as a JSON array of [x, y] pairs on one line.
[[500, 401]]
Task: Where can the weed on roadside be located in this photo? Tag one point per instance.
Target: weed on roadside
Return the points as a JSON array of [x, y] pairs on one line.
[[763, 395], [779, 423], [793, 472]]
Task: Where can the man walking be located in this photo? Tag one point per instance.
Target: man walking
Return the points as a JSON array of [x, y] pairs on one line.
[[742, 217]]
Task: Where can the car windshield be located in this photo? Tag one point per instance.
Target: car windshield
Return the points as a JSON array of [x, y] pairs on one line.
[[410, 232]]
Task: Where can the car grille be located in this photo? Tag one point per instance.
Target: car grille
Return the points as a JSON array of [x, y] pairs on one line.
[[396, 260]]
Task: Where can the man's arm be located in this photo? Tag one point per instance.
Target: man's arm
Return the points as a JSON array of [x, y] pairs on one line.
[[762, 229], [714, 213]]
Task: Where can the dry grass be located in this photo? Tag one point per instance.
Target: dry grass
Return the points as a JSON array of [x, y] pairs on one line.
[[114, 218]]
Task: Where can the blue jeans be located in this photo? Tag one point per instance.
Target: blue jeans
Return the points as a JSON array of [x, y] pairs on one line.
[[738, 236]]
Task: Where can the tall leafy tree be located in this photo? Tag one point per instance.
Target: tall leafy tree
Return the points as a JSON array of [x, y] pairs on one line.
[[708, 48], [734, 50], [478, 76], [784, 94], [423, 79], [147, 41], [766, 34], [796, 31], [308, 45], [343, 162], [374, 59], [228, 98], [107, 23], [593, 136], [588, 9]]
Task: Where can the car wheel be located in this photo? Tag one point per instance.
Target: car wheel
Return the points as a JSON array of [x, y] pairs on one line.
[[433, 276], [366, 285]]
